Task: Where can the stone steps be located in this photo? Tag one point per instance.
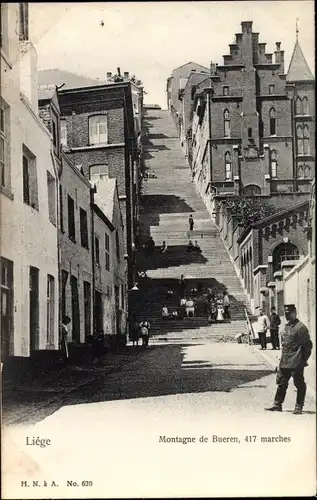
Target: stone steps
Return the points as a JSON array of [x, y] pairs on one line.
[[166, 204]]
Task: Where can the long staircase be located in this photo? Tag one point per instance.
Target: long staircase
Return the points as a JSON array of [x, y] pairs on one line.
[[168, 198]]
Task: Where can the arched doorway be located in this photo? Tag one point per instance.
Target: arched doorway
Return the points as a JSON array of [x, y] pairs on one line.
[[251, 190], [284, 251]]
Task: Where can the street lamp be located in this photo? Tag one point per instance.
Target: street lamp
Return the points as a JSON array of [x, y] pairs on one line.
[[135, 288]]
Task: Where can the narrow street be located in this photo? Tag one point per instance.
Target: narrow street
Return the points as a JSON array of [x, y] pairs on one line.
[[193, 380]]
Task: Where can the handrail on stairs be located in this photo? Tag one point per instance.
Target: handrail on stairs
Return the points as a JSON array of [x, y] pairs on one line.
[[251, 333]]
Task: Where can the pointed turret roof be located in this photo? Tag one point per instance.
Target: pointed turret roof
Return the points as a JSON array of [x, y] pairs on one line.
[[298, 68]]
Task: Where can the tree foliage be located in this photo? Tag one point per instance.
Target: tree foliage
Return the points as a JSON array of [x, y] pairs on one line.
[[246, 211]]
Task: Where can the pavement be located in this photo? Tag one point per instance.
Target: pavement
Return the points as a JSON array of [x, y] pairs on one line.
[[111, 430], [272, 358]]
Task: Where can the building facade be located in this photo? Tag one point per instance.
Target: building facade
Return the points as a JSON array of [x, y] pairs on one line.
[[253, 128], [175, 86], [110, 280], [29, 187], [98, 135]]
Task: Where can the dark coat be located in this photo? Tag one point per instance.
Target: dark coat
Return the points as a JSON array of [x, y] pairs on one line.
[[296, 345]]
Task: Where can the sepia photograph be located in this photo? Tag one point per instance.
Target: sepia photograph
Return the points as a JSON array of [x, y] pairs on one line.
[[157, 242]]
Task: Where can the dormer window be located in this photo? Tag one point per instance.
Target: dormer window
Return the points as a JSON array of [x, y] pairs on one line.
[[272, 89], [225, 90]]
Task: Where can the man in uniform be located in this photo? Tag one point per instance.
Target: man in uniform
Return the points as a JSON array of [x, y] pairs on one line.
[[296, 350]]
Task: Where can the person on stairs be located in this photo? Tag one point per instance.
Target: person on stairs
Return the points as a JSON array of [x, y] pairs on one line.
[[163, 248], [191, 222], [145, 332], [262, 328], [190, 246], [182, 286], [165, 313], [196, 247], [226, 305], [296, 350]]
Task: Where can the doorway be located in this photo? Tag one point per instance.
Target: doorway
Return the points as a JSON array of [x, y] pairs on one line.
[[87, 308], [98, 312], [75, 310], [6, 306], [34, 310]]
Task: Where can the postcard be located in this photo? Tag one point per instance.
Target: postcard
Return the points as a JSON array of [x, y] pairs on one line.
[[157, 169]]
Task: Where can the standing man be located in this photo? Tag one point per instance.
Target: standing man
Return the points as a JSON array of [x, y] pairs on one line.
[[275, 321], [262, 327], [182, 286], [296, 350], [191, 222], [226, 305]]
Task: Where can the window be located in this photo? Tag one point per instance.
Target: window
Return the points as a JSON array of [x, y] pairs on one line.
[[64, 133], [97, 251], [6, 303], [305, 109], [226, 116], [51, 198], [307, 174], [30, 191], [54, 132], [4, 144], [284, 251], [300, 171], [298, 106], [71, 219], [272, 121], [273, 164], [306, 140], [98, 129], [250, 133], [271, 89], [61, 209], [83, 227], [225, 90], [50, 309], [251, 190], [107, 251], [4, 26], [98, 173], [24, 21], [122, 296], [300, 140], [117, 245], [228, 168]]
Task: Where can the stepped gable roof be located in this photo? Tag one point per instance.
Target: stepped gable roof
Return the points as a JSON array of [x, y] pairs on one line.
[[49, 77], [105, 198], [298, 68]]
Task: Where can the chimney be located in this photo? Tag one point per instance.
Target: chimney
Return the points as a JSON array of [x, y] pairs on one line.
[[118, 72], [282, 69], [212, 68], [277, 53], [109, 76], [126, 75]]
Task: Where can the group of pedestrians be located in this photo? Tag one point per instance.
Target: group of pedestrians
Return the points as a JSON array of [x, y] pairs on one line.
[[265, 324], [140, 331]]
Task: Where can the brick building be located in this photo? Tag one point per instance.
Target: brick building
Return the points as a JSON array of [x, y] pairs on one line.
[[28, 198], [90, 224], [98, 134], [253, 128]]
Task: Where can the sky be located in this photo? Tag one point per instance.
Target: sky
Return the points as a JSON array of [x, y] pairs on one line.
[[151, 39]]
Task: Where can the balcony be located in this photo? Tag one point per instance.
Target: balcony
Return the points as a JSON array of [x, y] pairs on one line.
[[222, 189]]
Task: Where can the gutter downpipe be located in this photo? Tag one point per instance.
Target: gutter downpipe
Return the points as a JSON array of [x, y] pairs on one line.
[[58, 173], [93, 277]]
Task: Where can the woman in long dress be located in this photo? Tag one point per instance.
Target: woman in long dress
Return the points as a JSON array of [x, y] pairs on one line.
[[220, 311]]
